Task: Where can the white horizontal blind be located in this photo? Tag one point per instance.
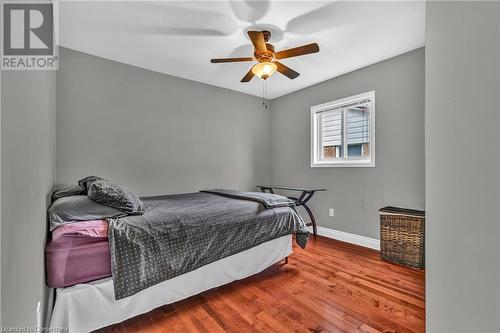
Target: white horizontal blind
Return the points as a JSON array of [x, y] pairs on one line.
[[358, 129], [331, 128]]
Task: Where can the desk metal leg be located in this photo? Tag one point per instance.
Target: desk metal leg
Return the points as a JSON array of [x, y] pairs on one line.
[[313, 221], [304, 197], [301, 201], [264, 189]]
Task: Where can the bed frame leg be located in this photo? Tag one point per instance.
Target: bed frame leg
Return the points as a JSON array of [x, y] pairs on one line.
[[286, 260]]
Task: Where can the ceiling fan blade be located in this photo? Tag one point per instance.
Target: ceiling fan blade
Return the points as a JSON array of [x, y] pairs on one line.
[[330, 16], [287, 71], [216, 61], [257, 38], [250, 11], [169, 31], [248, 76], [157, 18], [298, 51]]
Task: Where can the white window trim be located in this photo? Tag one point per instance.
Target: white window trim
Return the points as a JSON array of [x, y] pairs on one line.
[[352, 162]]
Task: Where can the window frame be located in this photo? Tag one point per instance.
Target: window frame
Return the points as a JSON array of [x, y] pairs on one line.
[[316, 162]]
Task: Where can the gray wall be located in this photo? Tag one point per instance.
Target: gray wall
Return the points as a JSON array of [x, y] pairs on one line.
[[28, 165], [1, 198], [462, 166], [156, 133], [356, 194]]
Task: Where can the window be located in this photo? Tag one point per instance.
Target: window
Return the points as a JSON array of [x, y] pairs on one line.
[[343, 132]]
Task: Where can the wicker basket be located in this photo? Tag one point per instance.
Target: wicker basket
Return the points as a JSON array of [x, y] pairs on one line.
[[402, 236]]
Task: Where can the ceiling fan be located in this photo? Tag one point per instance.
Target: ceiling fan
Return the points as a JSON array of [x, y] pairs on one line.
[[267, 58]]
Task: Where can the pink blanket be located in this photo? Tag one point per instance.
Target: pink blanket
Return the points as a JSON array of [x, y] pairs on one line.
[[85, 229]]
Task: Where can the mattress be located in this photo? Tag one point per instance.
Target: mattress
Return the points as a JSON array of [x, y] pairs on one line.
[[78, 252]]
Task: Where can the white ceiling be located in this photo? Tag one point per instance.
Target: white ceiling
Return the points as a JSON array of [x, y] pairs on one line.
[[180, 38]]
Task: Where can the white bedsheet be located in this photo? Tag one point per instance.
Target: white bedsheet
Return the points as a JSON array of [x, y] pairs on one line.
[[89, 306]]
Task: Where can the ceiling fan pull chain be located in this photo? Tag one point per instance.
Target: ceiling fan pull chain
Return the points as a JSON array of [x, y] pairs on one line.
[[267, 100], [264, 94]]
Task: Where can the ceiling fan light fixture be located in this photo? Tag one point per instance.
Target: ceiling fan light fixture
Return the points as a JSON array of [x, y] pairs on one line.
[[264, 70]]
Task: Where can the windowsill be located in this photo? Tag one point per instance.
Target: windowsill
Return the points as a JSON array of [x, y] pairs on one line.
[[344, 164]]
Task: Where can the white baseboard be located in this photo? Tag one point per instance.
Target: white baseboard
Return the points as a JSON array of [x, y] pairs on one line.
[[371, 243]]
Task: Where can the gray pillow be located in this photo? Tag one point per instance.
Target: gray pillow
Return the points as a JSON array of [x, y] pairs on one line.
[[67, 192], [79, 208], [114, 195], [85, 182]]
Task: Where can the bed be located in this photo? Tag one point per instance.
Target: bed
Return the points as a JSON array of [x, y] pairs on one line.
[[180, 246], [80, 308]]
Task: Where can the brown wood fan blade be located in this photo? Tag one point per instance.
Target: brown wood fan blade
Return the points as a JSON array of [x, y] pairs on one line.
[[257, 38], [287, 71], [248, 76], [297, 51], [216, 61]]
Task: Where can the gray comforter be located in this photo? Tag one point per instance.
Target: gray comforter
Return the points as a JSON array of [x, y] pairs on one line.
[[180, 233]]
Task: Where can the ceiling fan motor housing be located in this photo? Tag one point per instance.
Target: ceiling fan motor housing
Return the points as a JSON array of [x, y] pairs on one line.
[[265, 56], [267, 35]]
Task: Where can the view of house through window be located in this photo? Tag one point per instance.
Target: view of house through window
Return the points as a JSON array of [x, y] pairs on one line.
[[343, 132]]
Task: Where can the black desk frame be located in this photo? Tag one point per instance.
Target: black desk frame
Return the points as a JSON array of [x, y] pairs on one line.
[[302, 200]]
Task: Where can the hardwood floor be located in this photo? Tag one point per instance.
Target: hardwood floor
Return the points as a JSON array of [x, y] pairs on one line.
[[330, 286]]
